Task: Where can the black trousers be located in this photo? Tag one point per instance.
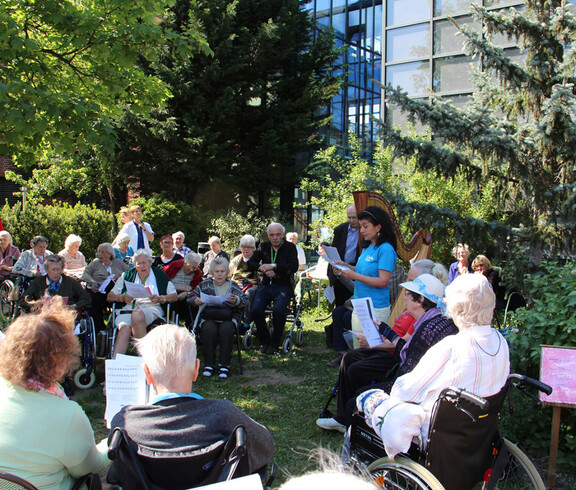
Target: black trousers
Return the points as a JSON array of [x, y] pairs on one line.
[[212, 331], [359, 368]]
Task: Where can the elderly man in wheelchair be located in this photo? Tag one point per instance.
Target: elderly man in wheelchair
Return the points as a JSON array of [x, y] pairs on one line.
[[476, 360], [179, 436]]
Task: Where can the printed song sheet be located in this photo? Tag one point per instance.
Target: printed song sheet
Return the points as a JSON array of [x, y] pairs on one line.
[[331, 255], [137, 290], [125, 384], [208, 299], [366, 315]]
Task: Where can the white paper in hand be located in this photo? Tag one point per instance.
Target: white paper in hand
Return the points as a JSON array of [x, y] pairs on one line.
[[366, 315]]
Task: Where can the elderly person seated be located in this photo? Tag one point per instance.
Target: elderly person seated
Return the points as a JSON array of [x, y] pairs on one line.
[[241, 275], [73, 259], [180, 421], [140, 232], [179, 246], [56, 284], [277, 260], [166, 260], [122, 249], [359, 367], [292, 237], [475, 359], [219, 322], [9, 255], [44, 437], [186, 279], [215, 251], [31, 262], [140, 312], [100, 276]]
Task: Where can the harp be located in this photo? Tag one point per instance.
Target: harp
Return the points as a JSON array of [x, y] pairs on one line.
[[419, 247]]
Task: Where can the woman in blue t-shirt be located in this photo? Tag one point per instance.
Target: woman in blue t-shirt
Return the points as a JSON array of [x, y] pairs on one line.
[[376, 263]]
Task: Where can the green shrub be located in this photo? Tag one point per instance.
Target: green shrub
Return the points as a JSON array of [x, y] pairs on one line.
[[56, 222], [549, 319], [167, 217]]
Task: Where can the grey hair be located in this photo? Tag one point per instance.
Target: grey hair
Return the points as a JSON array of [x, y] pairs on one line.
[[470, 300], [54, 258], [214, 239], [275, 224], [37, 239], [436, 269], [248, 240], [122, 237], [71, 240], [144, 252], [178, 233], [108, 248], [217, 261], [291, 234], [6, 234], [457, 246], [169, 351], [192, 258]]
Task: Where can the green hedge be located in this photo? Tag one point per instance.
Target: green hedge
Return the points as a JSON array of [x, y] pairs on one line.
[[549, 319], [56, 222]]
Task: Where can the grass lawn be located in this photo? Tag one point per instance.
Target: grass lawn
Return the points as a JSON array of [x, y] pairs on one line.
[[283, 393]]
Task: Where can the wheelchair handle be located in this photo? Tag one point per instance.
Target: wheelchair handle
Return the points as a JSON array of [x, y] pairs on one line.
[[459, 393], [530, 382], [114, 445]]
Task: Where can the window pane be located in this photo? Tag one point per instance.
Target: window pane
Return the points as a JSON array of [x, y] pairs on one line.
[[408, 43], [446, 39], [447, 7], [492, 3], [399, 12], [338, 3], [452, 74], [412, 77], [399, 119], [322, 5], [339, 22]]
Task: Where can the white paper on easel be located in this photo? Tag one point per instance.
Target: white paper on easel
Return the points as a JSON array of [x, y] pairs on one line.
[[125, 384], [364, 310]]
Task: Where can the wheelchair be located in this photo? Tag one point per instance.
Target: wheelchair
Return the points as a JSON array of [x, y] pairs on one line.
[[463, 450], [85, 377], [11, 291]]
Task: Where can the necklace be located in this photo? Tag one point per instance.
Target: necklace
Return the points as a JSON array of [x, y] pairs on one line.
[[488, 353]]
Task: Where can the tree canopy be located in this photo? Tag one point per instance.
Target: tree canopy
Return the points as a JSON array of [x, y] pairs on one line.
[[519, 131]]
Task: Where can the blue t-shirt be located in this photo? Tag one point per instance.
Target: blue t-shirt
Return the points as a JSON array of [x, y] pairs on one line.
[[371, 261]]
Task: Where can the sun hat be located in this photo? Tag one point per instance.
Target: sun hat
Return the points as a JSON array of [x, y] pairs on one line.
[[426, 285]]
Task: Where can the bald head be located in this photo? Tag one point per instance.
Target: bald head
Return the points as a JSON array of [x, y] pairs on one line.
[[352, 216]]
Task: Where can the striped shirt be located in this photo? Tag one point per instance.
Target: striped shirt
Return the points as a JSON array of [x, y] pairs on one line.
[[476, 359]]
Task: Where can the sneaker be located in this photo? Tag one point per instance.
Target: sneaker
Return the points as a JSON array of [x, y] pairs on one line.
[[223, 372], [208, 371], [331, 424]]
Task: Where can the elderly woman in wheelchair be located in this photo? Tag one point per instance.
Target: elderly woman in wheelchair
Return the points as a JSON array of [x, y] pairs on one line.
[[140, 312], [476, 360], [218, 321]]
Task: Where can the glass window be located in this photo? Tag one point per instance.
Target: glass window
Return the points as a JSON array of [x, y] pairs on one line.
[[453, 74], [407, 43], [399, 119], [338, 3], [414, 77], [322, 5], [447, 7], [399, 12], [493, 3], [446, 36], [339, 22], [458, 101], [309, 5]]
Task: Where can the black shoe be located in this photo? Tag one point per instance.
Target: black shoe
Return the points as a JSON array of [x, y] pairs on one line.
[[336, 361]]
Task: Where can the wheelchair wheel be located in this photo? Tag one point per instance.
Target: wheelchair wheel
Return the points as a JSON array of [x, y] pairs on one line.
[[403, 474], [247, 341], [6, 306], [83, 380], [520, 473], [299, 339], [287, 345]]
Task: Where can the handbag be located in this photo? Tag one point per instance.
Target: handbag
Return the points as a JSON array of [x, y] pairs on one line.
[[218, 313]]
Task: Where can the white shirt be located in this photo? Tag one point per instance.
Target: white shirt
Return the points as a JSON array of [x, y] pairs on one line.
[[475, 359], [131, 230]]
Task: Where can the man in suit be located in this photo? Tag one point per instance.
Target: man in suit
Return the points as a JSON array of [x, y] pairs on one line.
[[346, 242]]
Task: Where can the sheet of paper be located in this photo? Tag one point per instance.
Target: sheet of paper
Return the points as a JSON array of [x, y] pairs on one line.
[[137, 290], [331, 261], [250, 482], [213, 300], [331, 252], [329, 293], [366, 315], [125, 384]]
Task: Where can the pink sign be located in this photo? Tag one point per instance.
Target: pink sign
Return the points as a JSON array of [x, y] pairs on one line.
[[558, 369]]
